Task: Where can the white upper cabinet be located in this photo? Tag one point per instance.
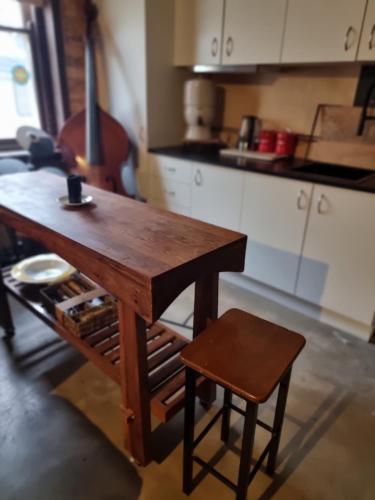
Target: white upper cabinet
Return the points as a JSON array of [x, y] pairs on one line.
[[338, 265], [198, 32], [253, 31], [367, 45], [217, 195], [274, 215], [322, 30]]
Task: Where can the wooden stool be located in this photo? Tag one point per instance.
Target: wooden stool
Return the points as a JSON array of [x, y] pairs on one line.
[[248, 357]]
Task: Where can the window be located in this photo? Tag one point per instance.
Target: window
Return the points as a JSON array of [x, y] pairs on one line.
[[18, 87], [33, 86]]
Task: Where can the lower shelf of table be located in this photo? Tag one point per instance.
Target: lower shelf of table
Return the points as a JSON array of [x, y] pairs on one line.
[[166, 374]]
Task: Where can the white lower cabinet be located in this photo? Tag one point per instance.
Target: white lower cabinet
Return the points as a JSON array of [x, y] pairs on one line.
[[274, 215], [217, 195], [338, 260], [170, 186], [309, 240]]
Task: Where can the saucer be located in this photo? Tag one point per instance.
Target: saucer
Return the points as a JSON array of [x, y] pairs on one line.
[[85, 200]]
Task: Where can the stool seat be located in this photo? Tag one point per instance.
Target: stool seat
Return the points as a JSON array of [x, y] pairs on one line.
[[244, 354]]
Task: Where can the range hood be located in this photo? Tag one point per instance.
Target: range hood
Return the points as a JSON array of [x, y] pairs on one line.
[[218, 69]]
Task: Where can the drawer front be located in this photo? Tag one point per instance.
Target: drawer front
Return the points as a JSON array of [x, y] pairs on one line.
[[172, 207], [172, 168], [171, 192]]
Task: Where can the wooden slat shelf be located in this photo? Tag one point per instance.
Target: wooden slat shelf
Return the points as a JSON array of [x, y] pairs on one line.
[[166, 372]]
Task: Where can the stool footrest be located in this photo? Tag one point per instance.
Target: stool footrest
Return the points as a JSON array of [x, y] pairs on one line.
[[215, 472], [210, 424], [210, 469], [259, 422], [260, 460]]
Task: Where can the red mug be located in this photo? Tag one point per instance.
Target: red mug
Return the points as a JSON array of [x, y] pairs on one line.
[[267, 141], [286, 143]]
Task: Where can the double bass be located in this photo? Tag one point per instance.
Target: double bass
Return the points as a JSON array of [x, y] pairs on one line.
[[93, 144]]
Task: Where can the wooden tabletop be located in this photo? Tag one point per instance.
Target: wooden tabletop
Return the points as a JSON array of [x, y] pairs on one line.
[[143, 255]]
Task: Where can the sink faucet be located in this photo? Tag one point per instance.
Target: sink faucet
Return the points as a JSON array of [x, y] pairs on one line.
[[365, 117]]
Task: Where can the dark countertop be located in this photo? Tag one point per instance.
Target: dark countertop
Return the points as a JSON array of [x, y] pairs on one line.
[[280, 168]]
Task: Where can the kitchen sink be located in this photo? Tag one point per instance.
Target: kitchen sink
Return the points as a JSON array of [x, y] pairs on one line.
[[335, 171]]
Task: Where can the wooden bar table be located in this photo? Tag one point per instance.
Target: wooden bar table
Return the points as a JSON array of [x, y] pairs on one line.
[[145, 257]]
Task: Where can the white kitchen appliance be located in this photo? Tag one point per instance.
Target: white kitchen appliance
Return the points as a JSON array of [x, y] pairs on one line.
[[199, 110]]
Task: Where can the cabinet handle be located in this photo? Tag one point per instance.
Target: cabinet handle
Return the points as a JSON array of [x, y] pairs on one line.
[[322, 199], [198, 179], [171, 169], [171, 193], [347, 44], [301, 196], [371, 40], [214, 47], [229, 46]]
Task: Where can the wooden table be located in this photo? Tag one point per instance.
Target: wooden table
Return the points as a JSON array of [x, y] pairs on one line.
[[145, 257]]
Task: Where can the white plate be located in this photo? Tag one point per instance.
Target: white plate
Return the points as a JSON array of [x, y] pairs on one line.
[[86, 199], [42, 269]]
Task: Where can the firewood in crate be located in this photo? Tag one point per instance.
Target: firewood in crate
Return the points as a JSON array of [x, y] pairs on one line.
[[87, 312], [59, 292]]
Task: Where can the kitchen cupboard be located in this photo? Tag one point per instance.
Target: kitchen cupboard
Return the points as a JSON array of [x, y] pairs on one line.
[[217, 195], [322, 30], [253, 31], [245, 32], [198, 32], [274, 215], [311, 241], [367, 46], [170, 184], [338, 265]]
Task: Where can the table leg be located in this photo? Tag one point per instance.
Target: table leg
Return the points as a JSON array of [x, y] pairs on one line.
[[6, 320], [134, 384], [206, 310]]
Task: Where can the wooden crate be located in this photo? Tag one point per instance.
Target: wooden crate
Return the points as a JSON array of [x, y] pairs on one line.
[[80, 305]]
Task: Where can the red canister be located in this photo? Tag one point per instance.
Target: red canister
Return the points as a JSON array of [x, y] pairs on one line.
[[267, 141], [286, 143]]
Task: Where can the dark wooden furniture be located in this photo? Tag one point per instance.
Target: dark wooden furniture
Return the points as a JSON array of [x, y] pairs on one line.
[[248, 356], [145, 257]]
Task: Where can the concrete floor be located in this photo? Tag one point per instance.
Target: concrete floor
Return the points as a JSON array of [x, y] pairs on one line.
[[61, 433]]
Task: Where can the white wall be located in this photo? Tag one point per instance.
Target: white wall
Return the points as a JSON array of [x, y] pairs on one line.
[[137, 81], [122, 70], [165, 83]]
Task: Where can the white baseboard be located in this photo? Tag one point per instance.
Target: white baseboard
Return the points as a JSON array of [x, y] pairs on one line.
[[353, 327]]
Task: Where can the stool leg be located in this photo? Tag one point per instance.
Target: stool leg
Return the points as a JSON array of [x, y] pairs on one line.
[[278, 422], [225, 423], [246, 450], [189, 431]]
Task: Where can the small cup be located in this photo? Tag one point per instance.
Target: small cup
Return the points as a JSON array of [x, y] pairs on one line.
[[74, 188]]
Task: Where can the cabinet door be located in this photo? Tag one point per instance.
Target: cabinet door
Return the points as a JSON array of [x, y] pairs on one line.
[[367, 45], [322, 30], [274, 214], [338, 265], [253, 31], [198, 32], [170, 183], [216, 195]]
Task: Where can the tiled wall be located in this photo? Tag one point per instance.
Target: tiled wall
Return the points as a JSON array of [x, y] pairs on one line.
[[286, 97]]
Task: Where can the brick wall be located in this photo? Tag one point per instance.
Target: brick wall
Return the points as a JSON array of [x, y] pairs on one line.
[[73, 26]]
